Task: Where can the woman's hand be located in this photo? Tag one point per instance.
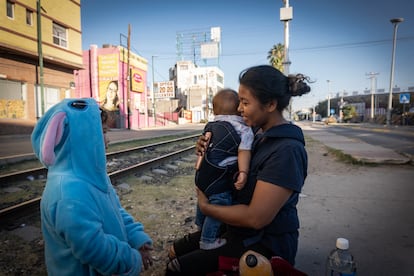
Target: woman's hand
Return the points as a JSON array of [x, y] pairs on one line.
[[202, 199], [202, 143], [145, 252]]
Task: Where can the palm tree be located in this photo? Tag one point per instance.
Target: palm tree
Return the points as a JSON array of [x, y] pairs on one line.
[[276, 56]]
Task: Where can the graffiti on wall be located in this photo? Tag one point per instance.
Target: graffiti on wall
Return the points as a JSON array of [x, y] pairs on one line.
[[12, 109]]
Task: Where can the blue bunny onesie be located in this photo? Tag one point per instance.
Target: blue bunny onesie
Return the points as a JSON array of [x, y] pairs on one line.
[[85, 229]]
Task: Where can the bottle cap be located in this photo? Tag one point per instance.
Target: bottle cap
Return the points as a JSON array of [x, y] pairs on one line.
[[342, 243]]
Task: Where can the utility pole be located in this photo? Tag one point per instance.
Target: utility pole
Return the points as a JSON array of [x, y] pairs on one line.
[[129, 78], [328, 113], [153, 93], [313, 109], [341, 106], [286, 14], [372, 76], [40, 54], [207, 94]]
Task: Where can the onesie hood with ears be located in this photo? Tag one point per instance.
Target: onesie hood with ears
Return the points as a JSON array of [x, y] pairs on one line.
[[68, 140]]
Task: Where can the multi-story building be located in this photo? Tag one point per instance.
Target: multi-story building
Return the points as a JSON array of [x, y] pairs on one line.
[[196, 86], [40, 47]]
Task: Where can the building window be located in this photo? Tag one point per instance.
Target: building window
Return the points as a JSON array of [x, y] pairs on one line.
[[10, 9], [59, 35], [29, 17]]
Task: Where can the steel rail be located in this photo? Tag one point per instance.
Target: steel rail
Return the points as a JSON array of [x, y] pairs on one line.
[[10, 214], [22, 175]]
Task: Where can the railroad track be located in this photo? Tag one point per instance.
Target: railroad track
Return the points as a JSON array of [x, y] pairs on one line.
[[6, 179], [9, 214]]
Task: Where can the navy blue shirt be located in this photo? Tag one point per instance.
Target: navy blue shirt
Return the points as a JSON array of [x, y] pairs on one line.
[[278, 157]]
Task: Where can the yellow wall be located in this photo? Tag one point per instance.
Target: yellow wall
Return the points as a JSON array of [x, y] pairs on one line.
[[19, 61], [16, 34], [134, 59]]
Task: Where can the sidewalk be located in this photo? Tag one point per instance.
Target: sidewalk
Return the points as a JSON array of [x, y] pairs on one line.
[[359, 150]]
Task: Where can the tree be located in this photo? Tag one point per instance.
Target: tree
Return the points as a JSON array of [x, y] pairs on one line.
[[276, 56], [349, 112]]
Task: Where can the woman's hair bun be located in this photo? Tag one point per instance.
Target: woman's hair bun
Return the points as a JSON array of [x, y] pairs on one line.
[[298, 84]]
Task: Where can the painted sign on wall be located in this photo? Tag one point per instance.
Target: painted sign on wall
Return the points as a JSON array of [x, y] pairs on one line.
[[107, 71], [138, 80]]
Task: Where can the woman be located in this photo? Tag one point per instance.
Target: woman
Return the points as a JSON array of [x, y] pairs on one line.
[[111, 102], [265, 217]]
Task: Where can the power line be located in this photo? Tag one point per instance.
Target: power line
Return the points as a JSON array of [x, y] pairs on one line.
[[333, 46], [353, 44]]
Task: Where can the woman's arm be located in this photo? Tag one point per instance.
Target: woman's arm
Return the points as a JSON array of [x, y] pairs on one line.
[[267, 200]]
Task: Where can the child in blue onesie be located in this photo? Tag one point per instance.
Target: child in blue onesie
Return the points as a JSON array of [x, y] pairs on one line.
[[85, 229]]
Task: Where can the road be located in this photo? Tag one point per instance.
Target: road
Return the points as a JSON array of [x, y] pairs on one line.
[[400, 139]]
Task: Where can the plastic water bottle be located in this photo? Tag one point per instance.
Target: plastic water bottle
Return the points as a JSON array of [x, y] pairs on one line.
[[341, 262]]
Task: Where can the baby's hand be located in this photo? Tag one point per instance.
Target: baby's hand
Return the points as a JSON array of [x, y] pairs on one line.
[[241, 180]]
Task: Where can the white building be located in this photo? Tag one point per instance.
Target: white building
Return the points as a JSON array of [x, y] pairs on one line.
[[194, 85]]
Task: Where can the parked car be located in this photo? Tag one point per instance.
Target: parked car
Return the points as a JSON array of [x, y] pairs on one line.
[[330, 120]]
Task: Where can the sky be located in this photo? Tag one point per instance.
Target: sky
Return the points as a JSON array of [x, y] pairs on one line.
[[336, 43]]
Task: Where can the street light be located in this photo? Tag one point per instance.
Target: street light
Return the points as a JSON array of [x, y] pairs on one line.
[[329, 99], [153, 92], [395, 22]]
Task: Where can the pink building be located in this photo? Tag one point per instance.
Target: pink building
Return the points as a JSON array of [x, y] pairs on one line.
[[105, 78]]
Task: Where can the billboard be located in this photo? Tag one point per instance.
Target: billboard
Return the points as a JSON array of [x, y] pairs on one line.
[[164, 90], [138, 80], [108, 73], [216, 34], [209, 50]]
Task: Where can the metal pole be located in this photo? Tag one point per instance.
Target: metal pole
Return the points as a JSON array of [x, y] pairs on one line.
[[328, 113], [395, 22], [372, 98], [129, 79], [206, 95], [189, 98], [313, 109], [40, 53], [313, 114], [153, 93], [372, 76], [286, 14], [286, 61], [376, 100]]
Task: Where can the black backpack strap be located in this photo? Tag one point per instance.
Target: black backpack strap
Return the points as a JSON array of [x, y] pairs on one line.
[[223, 143]]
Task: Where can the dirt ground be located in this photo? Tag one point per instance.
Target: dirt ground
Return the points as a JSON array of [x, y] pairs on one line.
[[327, 211]]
